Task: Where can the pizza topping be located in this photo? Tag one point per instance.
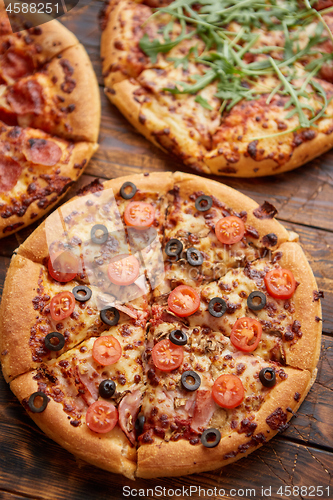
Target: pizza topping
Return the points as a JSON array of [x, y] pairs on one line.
[[184, 301], [106, 350], [126, 193], [107, 388], [42, 152], [265, 211], [26, 97], [82, 293], [228, 391], [123, 270], [246, 334], [54, 341], [139, 214], [190, 380], [167, 356], [256, 301], [38, 402], [217, 307], [62, 305], [99, 234], [210, 438], [64, 267], [230, 230], [194, 257], [174, 248], [101, 417], [16, 64], [105, 316], [277, 420], [129, 408], [10, 171], [203, 410], [267, 377], [178, 337], [280, 283], [203, 203], [139, 424]]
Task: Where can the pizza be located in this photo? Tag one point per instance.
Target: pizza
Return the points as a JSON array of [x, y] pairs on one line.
[[48, 128], [160, 325], [228, 88]]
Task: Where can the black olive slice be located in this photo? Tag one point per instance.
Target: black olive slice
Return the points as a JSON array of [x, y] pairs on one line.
[[203, 203], [178, 337], [190, 380], [31, 402], [267, 377], [124, 194], [139, 423], [82, 297], [107, 388], [217, 307], [194, 257], [50, 345], [254, 304], [174, 248], [99, 239], [211, 438], [104, 316]]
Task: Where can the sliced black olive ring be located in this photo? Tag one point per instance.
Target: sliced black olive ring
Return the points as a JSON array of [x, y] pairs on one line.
[[50, 345], [31, 402], [203, 203], [252, 303], [174, 248], [124, 194], [194, 383], [194, 257], [267, 377], [210, 438], [99, 239], [217, 307], [104, 316], [178, 337], [82, 297], [139, 423], [107, 388]]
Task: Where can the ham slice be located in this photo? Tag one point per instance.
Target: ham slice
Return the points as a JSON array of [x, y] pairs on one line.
[[10, 171], [42, 152], [128, 411], [203, 410]]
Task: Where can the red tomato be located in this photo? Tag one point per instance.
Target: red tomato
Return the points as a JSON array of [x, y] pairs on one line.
[[184, 301], [280, 283], [230, 230], [139, 214], [228, 391], [167, 356], [62, 305], [246, 334], [64, 267], [101, 416], [106, 350], [123, 269]]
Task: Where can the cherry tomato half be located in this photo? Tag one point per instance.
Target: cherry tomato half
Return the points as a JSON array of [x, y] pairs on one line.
[[246, 334], [101, 417], [62, 305], [280, 283], [139, 214], [229, 230], [123, 269], [64, 267], [167, 356], [228, 391], [106, 350], [183, 301]]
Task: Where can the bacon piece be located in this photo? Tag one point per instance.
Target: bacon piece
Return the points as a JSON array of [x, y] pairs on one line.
[[10, 171], [42, 152], [16, 65], [128, 411], [26, 97], [203, 411]]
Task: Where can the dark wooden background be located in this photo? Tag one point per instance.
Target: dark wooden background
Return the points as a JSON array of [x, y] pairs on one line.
[[33, 466]]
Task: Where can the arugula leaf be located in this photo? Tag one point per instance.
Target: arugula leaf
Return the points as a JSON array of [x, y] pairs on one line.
[[204, 103]]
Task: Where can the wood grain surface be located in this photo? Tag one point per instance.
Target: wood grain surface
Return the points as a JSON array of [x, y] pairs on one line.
[[34, 467]]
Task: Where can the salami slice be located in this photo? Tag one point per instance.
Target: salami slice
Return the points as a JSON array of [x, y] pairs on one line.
[[15, 65], [42, 152], [26, 97], [10, 171]]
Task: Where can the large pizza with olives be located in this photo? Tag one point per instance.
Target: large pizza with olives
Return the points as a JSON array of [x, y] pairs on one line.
[[228, 87], [160, 325], [48, 128]]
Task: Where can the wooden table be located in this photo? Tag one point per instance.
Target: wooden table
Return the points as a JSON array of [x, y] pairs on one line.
[[33, 466]]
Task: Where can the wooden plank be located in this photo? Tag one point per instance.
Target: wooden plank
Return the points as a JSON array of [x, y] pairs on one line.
[[7, 495]]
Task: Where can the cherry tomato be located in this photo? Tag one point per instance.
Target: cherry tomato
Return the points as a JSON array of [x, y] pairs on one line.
[[280, 283], [184, 301], [139, 214], [246, 334], [228, 391], [62, 305], [106, 350], [123, 269], [167, 356], [229, 230], [101, 417], [64, 267]]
